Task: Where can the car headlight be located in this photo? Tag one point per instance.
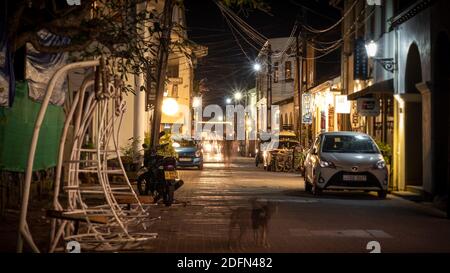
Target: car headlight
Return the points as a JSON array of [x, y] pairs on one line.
[[176, 145], [380, 164], [198, 153], [326, 164]]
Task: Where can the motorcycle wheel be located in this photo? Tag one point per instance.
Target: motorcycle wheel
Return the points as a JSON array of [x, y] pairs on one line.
[[143, 185], [168, 195]]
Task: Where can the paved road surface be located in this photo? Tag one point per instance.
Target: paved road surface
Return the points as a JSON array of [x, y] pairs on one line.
[[334, 222]]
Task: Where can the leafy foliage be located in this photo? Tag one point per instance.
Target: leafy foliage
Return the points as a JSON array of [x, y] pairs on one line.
[[386, 151]]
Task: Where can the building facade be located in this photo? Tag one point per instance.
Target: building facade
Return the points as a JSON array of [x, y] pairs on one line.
[[403, 99], [275, 82]]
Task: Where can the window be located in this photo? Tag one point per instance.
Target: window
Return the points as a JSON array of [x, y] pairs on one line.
[[275, 72], [173, 71], [175, 91], [288, 70]]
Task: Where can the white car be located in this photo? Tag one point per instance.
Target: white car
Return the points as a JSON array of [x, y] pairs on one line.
[[345, 161]]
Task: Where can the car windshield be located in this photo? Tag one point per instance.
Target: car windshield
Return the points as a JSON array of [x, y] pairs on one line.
[[349, 144], [187, 143]]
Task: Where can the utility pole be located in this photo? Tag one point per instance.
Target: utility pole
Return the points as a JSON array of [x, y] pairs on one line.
[[269, 88], [163, 55], [298, 107]]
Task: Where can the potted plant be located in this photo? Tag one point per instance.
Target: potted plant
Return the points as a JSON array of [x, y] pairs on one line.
[[129, 156]]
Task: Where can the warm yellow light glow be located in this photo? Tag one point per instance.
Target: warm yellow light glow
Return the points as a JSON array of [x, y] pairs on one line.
[[176, 145], [170, 106], [238, 96], [208, 147], [196, 102]]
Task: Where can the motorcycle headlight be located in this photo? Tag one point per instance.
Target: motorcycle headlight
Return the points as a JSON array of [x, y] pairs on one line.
[[326, 164], [198, 153], [380, 164]]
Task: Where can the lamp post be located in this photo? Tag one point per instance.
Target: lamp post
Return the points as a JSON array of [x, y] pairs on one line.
[[387, 63]]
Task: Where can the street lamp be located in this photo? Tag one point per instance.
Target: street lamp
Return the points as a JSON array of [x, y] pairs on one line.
[[257, 67], [228, 100], [238, 96], [170, 106], [371, 49], [387, 63]]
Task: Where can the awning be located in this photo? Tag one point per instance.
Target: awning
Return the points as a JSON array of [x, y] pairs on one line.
[[383, 87]]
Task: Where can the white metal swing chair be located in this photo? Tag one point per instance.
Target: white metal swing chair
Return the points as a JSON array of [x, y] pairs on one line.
[[107, 225]]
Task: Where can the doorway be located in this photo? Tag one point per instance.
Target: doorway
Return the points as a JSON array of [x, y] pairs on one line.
[[413, 120]]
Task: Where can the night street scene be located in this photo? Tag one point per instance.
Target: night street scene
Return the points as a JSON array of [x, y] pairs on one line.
[[241, 127]]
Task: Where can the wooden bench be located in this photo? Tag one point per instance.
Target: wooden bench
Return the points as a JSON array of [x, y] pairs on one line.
[[129, 200], [76, 217]]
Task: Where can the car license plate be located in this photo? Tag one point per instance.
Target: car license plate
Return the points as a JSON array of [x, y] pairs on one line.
[[170, 175], [351, 177], [184, 159]]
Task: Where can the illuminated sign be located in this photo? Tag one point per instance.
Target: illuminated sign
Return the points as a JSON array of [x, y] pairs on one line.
[[74, 2], [374, 2], [342, 105], [306, 109], [368, 107]]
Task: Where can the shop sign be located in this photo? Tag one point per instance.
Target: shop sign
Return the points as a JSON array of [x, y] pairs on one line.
[[331, 119], [354, 117], [322, 121], [306, 109], [361, 60], [368, 107], [342, 105]]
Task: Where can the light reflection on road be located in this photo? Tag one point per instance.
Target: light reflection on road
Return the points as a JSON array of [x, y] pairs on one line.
[[213, 157]]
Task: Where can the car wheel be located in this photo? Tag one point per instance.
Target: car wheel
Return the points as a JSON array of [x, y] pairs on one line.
[[382, 194]]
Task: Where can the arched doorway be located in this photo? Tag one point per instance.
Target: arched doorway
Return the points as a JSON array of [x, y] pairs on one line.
[[413, 120], [441, 124]]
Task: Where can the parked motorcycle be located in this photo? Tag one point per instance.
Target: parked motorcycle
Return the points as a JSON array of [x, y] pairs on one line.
[[158, 177]]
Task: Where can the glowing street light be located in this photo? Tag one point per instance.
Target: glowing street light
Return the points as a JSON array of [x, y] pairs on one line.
[[387, 63], [228, 100], [170, 106], [238, 96], [371, 49], [257, 67]]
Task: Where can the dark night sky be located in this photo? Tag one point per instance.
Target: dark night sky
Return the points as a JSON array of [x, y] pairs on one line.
[[226, 67]]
